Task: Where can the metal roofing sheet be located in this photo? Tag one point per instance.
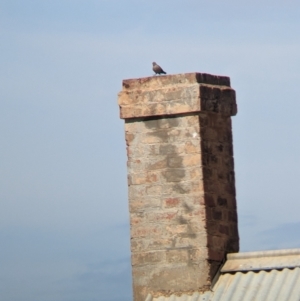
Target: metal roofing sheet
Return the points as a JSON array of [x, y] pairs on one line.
[[274, 285], [265, 260]]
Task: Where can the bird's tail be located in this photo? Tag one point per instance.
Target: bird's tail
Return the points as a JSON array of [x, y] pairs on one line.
[[164, 72]]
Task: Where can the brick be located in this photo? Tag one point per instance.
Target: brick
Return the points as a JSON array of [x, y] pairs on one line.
[[135, 179], [171, 202], [209, 133], [135, 151], [177, 229], [153, 109], [136, 165], [207, 173], [222, 201], [212, 228], [233, 231], [189, 204], [224, 214], [135, 192], [231, 203], [131, 126], [192, 201], [216, 242], [159, 163], [184, 241], [166, 149], [139, 244], [217, 214], [144, 244], [137, 218], [161, 216], [191, 160], [230, 188], [191, 133], [209, 215], [193, 211], [197, 255], [191, 147], [210, 200], [224, 229], [146, 231], [152, 177], [195, 173], [173, 136], [151, 150], [232, 245], [183, 188], [147, 258], [129, 137], [177, 255], [153, 190], [174, 161], [216, 255], [165, 123], [150, 138], [232, 216], [213, 185], [196, 187], [174, 174], [146, 203], [197, 225], [143, 178]]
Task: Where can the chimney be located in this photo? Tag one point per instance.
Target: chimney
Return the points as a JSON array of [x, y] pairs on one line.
[[181, 182]]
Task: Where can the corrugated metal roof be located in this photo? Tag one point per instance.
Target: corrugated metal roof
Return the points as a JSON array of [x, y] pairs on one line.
[[281, 285], [265, 260], [253, 276]]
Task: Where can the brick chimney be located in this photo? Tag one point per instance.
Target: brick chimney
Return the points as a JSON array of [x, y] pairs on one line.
[[180, 179]]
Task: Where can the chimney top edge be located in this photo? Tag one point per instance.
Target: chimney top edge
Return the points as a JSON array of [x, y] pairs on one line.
[[175, 79]]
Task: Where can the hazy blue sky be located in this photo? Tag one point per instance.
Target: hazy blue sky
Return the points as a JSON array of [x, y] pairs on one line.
[[64, 226]]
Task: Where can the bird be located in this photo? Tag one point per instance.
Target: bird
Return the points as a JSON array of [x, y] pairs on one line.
[[157, 69]]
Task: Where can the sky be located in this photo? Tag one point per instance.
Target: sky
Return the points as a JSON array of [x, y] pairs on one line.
[[64, 226]]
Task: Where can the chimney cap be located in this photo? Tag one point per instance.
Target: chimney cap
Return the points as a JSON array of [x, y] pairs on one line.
[[173, 79], [176, 94]]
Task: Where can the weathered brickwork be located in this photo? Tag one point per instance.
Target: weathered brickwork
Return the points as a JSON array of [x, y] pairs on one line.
[[180, 179]]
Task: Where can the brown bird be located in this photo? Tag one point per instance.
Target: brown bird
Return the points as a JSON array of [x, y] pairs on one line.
[[157, 69]]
